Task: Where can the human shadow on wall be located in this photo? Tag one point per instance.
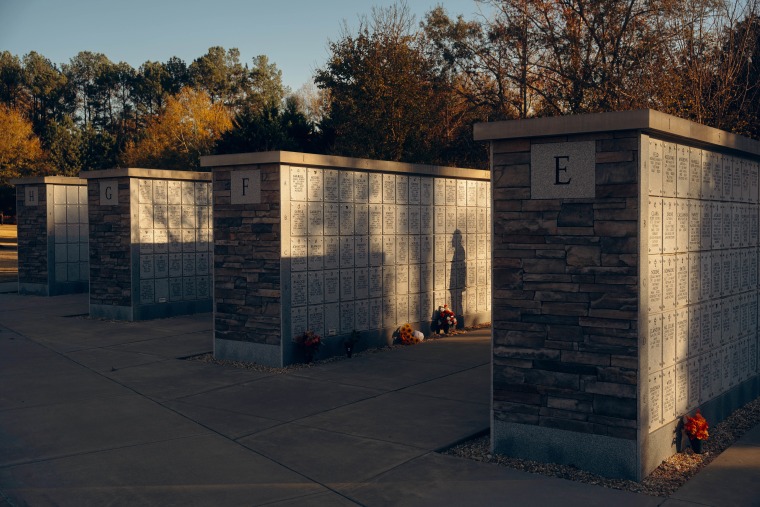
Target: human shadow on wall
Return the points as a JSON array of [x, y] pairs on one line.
[[457, 277]]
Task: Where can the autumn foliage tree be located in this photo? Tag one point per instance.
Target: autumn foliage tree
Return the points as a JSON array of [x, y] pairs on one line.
[[20, 150], [187, 128]]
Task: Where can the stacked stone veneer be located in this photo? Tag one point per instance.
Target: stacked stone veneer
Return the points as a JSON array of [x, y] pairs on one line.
[[618, 312], [52, 235], [337, 245], [150, 238]]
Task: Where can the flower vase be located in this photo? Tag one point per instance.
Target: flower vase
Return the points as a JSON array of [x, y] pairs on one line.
[[696, 445]]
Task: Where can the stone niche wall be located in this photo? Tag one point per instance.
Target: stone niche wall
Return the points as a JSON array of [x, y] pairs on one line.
[[335, 245], [150, 238], [52, 235], [624, 285]]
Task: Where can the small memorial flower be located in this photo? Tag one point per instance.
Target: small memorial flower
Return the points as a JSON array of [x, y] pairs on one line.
[[696, 427]]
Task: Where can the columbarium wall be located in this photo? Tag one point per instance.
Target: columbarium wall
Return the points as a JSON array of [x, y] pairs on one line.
[[53, 256], [336, 245], [150, 240], [625, 285]]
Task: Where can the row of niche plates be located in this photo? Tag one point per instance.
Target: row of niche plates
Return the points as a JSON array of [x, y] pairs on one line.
[[379, 313], [359, 251], [681, 279], [692, 173], [683, 334], [330, 185], [317, 219], [175, 216], [173, 192], [681, 388], [347, 284], [677, 225]]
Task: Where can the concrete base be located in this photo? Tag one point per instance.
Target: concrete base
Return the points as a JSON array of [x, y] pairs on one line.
[[249, 352], [55, 289], [607, 456], [149, 312], [289, 353]]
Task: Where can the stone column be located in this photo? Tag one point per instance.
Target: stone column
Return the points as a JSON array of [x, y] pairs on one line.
[[53, 256], [150, 243], [624, 285]]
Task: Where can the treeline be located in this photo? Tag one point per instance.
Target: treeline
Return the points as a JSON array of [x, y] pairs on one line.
[[392, 88]]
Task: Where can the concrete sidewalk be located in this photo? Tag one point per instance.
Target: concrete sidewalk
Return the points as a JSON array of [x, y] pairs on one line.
[[98, 412]]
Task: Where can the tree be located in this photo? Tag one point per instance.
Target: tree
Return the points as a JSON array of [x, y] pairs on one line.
[[20, 151], [184, 131], [384, 98], [50, 97], [268, 129], [11, 80], [221, 75]]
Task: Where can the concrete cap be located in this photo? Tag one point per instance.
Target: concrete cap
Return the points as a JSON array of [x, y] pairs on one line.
[[135, 172], [50, 180], [647, 120], [334, 161]]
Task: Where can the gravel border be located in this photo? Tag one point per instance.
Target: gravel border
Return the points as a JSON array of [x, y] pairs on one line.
[[673, 473]]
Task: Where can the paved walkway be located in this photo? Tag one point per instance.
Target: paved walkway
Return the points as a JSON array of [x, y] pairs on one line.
[[105, 413]]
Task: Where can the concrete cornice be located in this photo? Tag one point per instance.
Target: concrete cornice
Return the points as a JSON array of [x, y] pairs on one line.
[[135, 172], [646, 120], [54, 180], [312, 160]]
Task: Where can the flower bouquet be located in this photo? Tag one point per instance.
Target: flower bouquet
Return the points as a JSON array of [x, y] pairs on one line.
[[696, 430], [405, 334], [445, 319], [310, 342]]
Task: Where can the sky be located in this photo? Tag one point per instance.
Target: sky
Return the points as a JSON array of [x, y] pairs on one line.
[[293, 33]]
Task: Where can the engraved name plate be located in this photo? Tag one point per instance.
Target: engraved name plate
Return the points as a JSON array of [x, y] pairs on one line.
[[389, 188], [332, 252], [347, 322], [361, 283], [361, 219], [346, 219], [299, 254], [376, 250], [682, 388], [315, 184], [298, 288], [298, 218], [375, 188], [346, 186], [402, 189], [654, 343], [655, 167], [426, 191], [347, 252], [316, 316], [315, 219], [316, 252], [361, 251], [682, 334], [669, 268], [316, 287], [331, 285], [331, 192], [682, 172], [654, 392], [655, 284], [361, 188], [375, 282], [669, 177], [669, 394], [362, 315], [298, 184]]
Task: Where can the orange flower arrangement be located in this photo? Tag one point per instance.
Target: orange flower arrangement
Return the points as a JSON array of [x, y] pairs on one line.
[[406, 334], [696, 427]]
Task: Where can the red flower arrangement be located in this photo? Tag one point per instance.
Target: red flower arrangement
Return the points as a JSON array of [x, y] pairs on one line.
[[696, 427], [446, 318], [310, 342]]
